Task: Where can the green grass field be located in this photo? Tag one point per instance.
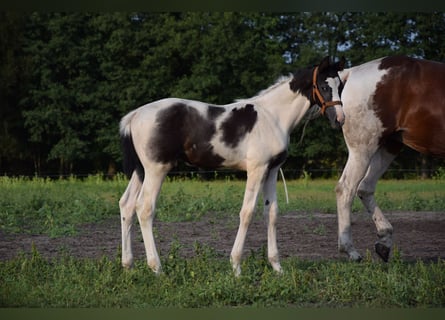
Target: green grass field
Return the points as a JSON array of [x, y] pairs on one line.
[[57, 208], [207, 281]]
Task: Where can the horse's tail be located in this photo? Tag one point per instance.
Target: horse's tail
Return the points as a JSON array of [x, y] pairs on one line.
[[131, 161]]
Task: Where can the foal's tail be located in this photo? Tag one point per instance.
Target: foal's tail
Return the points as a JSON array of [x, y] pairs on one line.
[[131, 161]]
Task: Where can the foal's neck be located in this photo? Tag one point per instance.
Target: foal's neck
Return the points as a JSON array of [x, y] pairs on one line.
[[286, 107]]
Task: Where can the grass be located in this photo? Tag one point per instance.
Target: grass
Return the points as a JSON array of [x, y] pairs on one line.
[[57, 208], [207, 281]]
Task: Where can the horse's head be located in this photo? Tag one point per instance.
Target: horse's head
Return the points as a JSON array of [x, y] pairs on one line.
[[322, 86], [326, 90]]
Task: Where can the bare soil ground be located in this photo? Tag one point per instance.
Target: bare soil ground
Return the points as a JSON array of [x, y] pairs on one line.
[[308, 236]]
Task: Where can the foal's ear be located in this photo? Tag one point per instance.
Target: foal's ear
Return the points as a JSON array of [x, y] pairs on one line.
[[324, 64], [341, 64]]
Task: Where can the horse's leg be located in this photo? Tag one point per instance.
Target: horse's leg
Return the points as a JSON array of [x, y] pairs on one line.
[[253, 186], [127, 204], [270, 214], [379, 164], [145, 209], [354, 171]]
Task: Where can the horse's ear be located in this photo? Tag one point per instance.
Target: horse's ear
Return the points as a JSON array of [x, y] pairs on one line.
[[324, 64]]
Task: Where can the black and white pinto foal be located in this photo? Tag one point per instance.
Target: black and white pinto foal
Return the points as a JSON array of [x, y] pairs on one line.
[[250, 135]]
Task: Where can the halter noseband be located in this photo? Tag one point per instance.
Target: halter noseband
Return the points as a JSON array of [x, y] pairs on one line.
[[316, 94]]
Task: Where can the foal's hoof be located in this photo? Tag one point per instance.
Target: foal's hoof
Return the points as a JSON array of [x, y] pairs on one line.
[[382, 251], [127, 265], [355, 256]]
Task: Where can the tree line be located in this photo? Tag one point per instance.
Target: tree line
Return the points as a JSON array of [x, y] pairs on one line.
[[66, 79]]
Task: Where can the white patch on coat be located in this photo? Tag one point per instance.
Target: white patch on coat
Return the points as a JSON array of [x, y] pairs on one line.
[[357, 97]]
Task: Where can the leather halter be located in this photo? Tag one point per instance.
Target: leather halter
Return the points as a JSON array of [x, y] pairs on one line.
[[316, 94]]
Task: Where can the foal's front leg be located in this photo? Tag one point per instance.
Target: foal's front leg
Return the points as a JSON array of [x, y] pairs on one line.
[[253, 186], [270, 214]]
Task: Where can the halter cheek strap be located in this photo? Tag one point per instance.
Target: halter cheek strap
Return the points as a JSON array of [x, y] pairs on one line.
[[316, 94]]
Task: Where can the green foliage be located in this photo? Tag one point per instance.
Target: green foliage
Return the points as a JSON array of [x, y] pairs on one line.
[[440, 174], [206, 280], [90, 69], [13, 78], [67, 78]]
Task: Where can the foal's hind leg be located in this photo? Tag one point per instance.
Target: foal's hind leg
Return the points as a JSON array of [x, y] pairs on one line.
[[145, 209], [127, 204], [253, 186], [270, 214], [379, 164]]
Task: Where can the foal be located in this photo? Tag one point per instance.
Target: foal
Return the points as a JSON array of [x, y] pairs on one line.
[[388, 103], [250, 135]]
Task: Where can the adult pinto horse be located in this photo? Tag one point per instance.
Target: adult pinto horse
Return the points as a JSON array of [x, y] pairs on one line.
[[388, 103], [250, 135]]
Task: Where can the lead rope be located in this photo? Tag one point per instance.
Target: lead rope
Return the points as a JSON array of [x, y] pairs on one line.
[[285, 186], [312, 114]]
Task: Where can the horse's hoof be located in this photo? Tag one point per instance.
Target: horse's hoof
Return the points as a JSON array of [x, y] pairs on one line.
[[382, 251]]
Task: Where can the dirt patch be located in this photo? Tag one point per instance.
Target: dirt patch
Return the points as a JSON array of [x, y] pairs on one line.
[[309, 236]]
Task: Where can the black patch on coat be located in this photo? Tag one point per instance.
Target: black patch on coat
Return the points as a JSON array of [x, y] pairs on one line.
[[214, 112], [131, 161], [182, 133], [238, 124], [276, 161], [302, 82]]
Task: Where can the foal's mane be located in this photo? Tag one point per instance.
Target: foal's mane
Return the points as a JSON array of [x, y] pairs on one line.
[[281, 80]]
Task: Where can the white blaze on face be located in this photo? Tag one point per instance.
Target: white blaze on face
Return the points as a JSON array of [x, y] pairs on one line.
[[334, 83]]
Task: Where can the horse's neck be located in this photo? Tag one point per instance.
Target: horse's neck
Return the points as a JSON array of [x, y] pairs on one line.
[[286, 107]]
